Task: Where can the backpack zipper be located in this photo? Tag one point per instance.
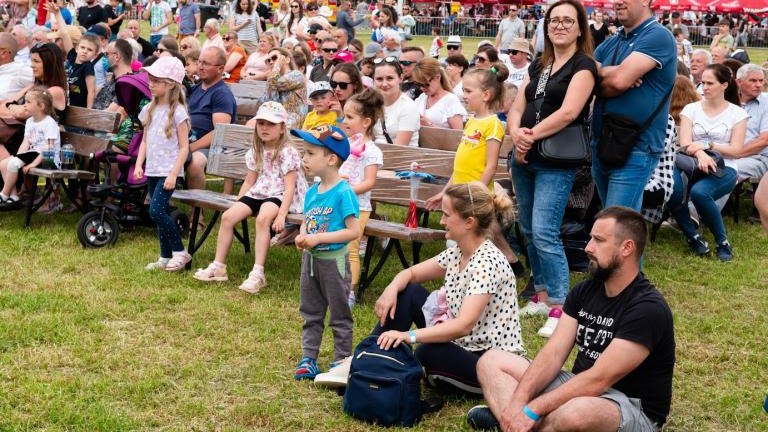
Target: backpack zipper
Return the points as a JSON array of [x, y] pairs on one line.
[[381, 356]]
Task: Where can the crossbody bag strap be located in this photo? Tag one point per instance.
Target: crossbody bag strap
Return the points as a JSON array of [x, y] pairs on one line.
[[656, 111], [541, 87], [384, 131]]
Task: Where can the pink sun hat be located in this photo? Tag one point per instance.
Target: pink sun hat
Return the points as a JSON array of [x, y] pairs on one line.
[[167, 67]]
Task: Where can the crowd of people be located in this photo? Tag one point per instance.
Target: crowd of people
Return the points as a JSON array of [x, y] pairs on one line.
[[663, 126]]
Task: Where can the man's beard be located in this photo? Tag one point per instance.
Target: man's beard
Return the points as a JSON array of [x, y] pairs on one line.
[[603, 273]]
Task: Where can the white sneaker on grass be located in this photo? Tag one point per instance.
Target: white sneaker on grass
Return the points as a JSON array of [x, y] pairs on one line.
[[535, 307], [337, 375], [549, 327], [157, 265]]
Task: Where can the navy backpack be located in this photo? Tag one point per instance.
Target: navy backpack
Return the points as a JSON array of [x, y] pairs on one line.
[[384, 387]]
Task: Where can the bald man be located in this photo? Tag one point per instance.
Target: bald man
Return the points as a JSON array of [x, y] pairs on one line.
[[14, 76]]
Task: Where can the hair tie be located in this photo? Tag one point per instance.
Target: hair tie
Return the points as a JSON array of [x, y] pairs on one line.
[[493, 70]]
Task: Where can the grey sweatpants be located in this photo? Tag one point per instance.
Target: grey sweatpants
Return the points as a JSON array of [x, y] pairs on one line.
[[325, 284]]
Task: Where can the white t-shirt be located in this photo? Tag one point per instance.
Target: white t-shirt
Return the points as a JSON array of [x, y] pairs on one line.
[[38, 134], [403, 115], [446, 107], [353, 169], [161, 150], [458, 89], [487, 272], [717, 129], [517, 76], [157, 14]]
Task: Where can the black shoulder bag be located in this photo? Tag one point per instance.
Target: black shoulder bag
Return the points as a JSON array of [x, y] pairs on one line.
[[620, 133], [568, 148]]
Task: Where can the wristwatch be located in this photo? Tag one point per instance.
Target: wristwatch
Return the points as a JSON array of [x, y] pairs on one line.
[[707, 145]]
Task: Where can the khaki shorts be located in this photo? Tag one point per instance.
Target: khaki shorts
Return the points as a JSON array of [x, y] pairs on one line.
[[633, 419]]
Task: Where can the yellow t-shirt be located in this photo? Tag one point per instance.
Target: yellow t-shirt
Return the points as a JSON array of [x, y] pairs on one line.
[[469, 163], [313, 119]]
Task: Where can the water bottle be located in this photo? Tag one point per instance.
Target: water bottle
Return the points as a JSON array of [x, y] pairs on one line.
[[67, 156], [48, 159]]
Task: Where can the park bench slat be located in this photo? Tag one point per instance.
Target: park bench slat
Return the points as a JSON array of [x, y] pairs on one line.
[[62, 174], [449, 139], [248, 96], [91, 119]]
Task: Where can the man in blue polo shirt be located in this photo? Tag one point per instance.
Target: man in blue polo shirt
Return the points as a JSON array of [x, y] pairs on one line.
[[637, 71], [210, 102]]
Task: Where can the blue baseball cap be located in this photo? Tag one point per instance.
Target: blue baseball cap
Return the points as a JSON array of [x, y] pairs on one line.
[[331, 137]]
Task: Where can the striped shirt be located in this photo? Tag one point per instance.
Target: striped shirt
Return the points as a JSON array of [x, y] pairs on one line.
[[250, 32]]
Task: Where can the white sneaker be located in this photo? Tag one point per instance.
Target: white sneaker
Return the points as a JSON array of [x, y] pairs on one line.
[[337, 376], [535, 307], [254, 283], [157, 265], [549, 327], [212, 273]]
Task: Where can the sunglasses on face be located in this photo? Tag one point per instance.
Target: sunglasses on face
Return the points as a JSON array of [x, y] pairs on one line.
[[339, 84], [481, 59], [515, 52], [226, 38], [160, 50], [271, 59], [453, 47], [330, 50], [294, 6], [406, 62], [311, 9]]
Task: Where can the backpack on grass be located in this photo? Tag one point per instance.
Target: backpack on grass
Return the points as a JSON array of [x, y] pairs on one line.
[[384, 387]]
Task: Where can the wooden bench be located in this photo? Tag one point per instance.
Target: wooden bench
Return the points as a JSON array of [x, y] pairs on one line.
[[226, 159], [74, 181], [248, 95]]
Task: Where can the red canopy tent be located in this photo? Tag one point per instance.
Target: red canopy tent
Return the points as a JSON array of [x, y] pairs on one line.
[[751, 6]]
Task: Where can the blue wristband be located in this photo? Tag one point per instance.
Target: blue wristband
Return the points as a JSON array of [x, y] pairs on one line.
[[530, 414], [412, 336]]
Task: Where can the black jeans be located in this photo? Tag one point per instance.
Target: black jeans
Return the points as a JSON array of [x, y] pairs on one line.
[[444, 362]]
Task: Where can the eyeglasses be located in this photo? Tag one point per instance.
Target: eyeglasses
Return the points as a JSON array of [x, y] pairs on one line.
[[481, 59], [330, 50], [406, 62], [339, 84], [566, 23], [201, 63], [453, 47]]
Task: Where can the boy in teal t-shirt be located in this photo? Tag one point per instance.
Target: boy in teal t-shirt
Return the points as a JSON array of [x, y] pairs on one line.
[[331, 211]]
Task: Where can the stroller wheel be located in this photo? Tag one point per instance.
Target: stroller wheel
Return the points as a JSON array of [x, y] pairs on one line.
[[182, 221], [95, 231]]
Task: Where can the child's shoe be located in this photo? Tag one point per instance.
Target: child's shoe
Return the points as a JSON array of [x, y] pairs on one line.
[[160, 264], [306, 369], [212, 273], [254, 283], [179, 261]]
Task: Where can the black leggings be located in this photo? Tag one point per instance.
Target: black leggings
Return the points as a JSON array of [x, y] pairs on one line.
[[444, 362]]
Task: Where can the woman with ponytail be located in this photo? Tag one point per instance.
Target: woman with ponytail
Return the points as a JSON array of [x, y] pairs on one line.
[[715, 125], [476, 309]]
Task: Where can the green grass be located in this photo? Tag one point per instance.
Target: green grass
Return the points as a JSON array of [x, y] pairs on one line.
[[91, 342]]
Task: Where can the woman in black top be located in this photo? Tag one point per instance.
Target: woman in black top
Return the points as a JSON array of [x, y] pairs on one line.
[[568, 73], [599, 29]]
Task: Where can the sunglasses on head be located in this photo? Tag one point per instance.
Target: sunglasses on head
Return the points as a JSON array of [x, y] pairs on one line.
[[389, 59], [339, 84], [330, 50]]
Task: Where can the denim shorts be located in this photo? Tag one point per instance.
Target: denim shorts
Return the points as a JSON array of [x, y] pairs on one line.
[[633, 419]]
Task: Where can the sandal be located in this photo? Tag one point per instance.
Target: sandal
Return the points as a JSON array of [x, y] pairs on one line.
[[178, 262]]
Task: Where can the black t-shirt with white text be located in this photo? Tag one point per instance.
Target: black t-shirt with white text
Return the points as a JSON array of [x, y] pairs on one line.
[[638, 314], [76, 73]]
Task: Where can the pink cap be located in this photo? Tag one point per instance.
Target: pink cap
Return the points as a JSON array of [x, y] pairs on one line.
[[273, 112], [167, 67], [344, 57]]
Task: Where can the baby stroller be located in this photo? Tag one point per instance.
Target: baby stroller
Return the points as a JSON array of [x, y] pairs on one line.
[[122, 203]]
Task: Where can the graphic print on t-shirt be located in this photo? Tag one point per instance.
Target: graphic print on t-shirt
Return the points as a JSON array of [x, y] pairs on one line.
[[594, 335]]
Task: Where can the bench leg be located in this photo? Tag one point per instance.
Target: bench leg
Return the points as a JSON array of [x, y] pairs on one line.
[[192, 235], [363, 282], [31, 206], [76, 192], [243, 238]]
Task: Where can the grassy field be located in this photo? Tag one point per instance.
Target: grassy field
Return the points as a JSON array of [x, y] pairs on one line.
[[91, 342]]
